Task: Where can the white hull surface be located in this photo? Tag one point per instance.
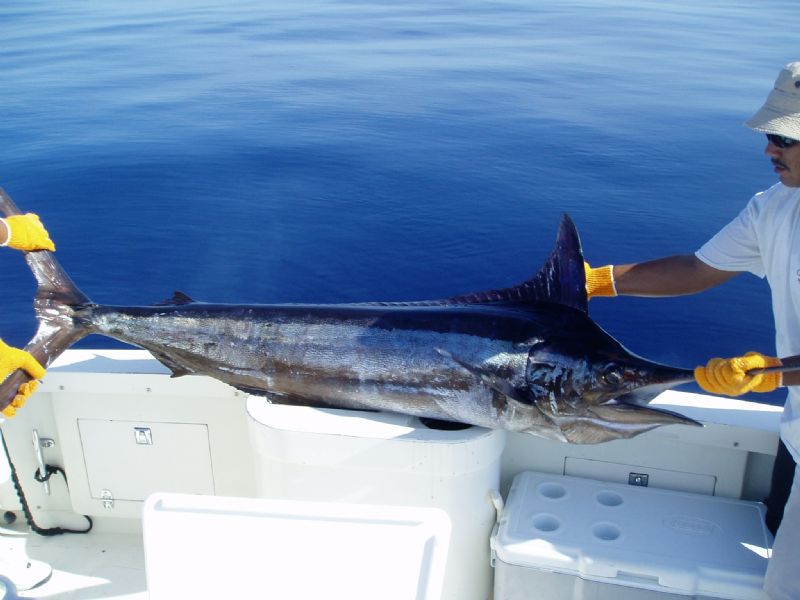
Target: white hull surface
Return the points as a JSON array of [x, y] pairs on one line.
[[124, 432]]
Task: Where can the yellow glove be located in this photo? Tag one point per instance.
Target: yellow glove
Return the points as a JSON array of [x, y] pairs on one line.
[[12, 359], [599, 281], [26, 232], [729, 376]]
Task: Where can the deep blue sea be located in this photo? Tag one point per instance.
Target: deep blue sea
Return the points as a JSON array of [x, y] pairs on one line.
[[345, 150]]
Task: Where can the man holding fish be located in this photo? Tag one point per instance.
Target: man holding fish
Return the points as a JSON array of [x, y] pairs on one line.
[[764, 240]]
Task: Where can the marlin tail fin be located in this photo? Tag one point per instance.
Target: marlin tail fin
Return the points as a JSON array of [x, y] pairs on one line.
[[57, 299]]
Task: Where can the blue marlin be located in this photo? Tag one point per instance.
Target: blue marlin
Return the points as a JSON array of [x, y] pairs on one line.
[[526, 358]]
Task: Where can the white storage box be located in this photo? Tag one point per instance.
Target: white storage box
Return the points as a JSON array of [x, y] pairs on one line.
[[213, 547], [567, 538]]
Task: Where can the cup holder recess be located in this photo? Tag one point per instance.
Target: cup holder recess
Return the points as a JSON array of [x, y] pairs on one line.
[[607, 532], [608, 498], [546, 523], [551, 490]]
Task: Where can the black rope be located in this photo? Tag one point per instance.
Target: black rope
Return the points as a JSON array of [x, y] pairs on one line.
[[50, 471]]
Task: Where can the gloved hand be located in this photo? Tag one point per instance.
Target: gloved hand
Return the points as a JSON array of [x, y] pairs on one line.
[[599, 281], [26, 232], [12, 359], [729, 376]]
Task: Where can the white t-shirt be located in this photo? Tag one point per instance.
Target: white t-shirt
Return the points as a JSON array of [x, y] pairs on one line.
[[765, 240]]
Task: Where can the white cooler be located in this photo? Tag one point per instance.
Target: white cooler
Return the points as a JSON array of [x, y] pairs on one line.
[[330, 455], [566, 537]]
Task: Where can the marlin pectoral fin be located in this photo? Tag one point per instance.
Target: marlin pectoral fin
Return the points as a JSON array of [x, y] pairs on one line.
[[496, 383], [177, 369]]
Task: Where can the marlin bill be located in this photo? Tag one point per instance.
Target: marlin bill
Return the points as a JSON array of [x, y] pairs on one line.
[[526, 358]]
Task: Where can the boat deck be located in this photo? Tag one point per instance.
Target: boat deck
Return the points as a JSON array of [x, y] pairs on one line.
[[86, 566]]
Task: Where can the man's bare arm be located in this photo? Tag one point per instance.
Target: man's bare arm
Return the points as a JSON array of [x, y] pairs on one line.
[[671, 276]]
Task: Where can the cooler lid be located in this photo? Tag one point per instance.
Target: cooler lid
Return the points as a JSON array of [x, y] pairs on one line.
[[217, 547], [669, 541]]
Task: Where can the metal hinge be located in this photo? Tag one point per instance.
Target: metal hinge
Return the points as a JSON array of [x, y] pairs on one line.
[[108, 499]]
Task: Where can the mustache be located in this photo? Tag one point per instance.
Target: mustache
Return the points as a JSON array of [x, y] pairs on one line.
[[778, 163]]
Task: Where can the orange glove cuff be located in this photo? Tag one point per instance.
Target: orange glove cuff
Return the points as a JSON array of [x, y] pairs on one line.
[[600, 281]]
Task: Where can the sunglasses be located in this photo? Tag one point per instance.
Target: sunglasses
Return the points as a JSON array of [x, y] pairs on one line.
[[782, 141]]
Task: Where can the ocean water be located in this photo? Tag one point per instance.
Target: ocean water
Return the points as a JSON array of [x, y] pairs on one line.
[[346, 150]]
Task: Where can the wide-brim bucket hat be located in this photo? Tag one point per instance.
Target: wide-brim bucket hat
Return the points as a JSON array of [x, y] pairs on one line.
[[781, 112]]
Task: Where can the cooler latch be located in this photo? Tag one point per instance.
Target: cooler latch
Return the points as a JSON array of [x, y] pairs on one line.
[[499, 505], [640, 479]]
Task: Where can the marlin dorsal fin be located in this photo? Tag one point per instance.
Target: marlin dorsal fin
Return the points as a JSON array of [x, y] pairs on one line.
[[561, 280]]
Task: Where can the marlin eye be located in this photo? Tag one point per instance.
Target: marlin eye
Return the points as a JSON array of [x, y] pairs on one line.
[[613, 375]]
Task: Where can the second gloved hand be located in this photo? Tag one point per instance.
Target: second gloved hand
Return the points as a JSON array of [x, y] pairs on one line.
[[12, 359], [728, 376]]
